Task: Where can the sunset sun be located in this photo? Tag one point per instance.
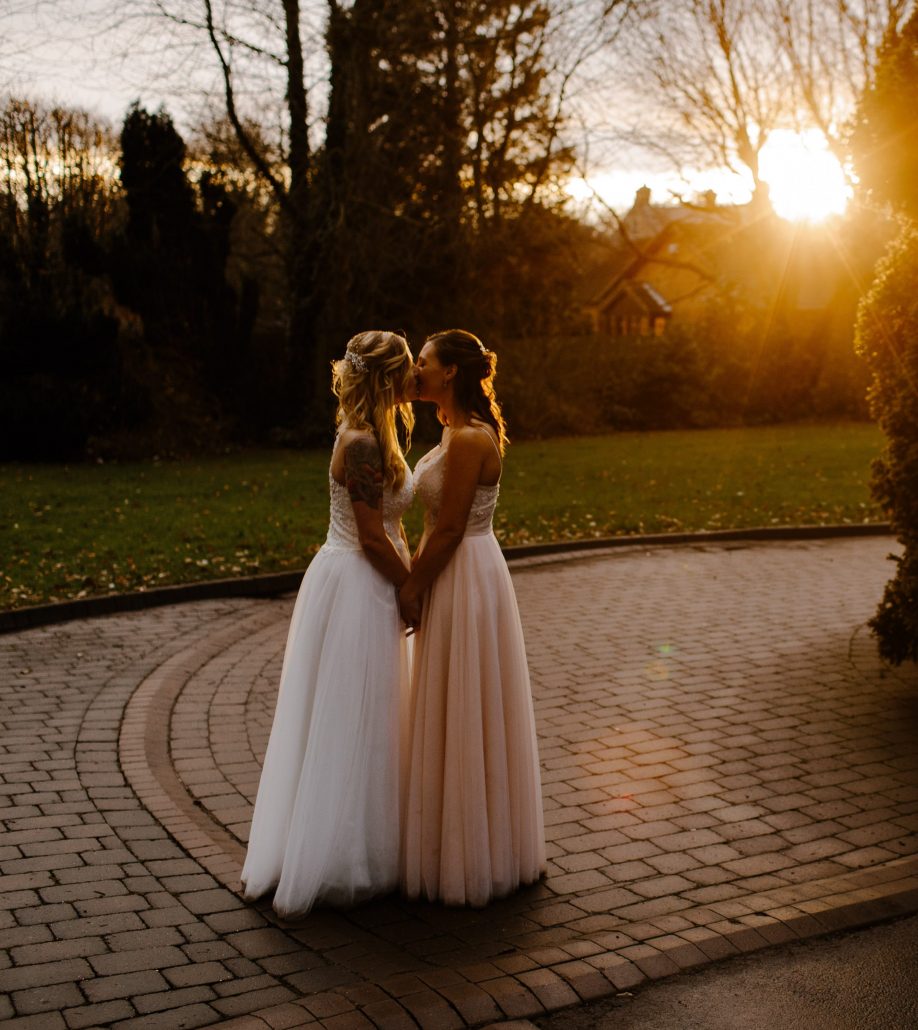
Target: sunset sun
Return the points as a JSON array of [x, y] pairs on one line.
[[805, 180]]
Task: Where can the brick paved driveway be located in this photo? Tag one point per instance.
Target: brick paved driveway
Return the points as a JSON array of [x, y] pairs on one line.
[[725, 765]]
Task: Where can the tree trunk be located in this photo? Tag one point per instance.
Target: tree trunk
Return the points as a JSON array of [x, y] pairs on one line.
[[301, 244]]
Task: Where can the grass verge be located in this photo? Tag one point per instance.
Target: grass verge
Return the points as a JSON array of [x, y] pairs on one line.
[[70, 531]]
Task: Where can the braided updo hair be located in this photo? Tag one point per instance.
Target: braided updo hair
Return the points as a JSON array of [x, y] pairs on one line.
[[474, 382]]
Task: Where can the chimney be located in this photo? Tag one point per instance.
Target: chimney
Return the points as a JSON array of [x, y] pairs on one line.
[[642, 198]]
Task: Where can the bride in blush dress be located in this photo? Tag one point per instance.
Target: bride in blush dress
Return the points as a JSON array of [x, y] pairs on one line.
[[325, 826], [473, 827]]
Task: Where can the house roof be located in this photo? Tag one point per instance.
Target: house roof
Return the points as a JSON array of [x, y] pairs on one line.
[[647, 229], [644, 295]]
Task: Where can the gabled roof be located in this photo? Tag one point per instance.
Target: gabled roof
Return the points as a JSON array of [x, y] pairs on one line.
[[646, 297], [647, 229]]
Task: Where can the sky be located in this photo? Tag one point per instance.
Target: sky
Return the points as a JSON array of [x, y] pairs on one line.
[[98, 54], [72, 51]]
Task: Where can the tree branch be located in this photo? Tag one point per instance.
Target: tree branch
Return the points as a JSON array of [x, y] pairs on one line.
[[245, 141]]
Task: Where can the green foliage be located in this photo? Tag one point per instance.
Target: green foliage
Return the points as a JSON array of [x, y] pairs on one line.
[[888, 340], [83, 530], [885, 138], [886, 150], [709, 374]]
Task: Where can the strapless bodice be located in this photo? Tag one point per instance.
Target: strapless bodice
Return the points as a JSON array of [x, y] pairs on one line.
[[428, 485], [342, 526]]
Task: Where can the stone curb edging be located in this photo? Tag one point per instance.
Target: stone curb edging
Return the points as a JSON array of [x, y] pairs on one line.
[[271, 584]]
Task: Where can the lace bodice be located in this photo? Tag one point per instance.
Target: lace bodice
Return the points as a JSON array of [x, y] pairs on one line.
[[428, 485], [342, 526]]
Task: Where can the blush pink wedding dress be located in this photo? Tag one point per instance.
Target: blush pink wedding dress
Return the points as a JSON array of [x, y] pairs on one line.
[[473, 825]]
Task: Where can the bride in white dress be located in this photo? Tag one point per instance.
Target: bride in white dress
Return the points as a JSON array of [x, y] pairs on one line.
[[326, 821]]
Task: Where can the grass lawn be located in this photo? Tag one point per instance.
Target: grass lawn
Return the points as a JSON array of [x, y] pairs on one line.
[[80, 530]]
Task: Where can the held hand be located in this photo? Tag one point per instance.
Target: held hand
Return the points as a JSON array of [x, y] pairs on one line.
[[410, 609]]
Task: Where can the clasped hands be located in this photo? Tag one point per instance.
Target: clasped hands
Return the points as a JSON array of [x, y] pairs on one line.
[[409, 607]]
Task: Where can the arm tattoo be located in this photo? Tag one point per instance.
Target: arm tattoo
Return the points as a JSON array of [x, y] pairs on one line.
[[363, 472]]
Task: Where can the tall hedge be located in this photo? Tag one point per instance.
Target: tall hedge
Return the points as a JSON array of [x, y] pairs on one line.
[[887, 335], [885, 144]]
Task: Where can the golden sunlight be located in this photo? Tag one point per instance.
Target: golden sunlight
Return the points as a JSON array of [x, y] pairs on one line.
[[805, 180]]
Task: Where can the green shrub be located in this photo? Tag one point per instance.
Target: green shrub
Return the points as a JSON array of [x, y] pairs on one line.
[[694, 376], [887, 334], [886, 151]]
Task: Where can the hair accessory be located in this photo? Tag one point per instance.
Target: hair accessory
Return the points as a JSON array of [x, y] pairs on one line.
[[355, 360]]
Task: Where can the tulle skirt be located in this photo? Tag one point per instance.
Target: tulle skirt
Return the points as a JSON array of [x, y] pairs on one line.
[[473, 826], [326, 821]]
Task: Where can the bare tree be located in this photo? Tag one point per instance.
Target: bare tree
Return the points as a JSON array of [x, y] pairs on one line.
[[711, 80], [710, 84], [55, 157], [830, 48], [257, 55]]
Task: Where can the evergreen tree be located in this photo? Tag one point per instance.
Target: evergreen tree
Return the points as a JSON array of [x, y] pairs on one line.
[[169, 267]]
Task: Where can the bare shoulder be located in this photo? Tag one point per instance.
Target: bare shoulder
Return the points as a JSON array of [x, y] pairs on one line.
[[470, 440]]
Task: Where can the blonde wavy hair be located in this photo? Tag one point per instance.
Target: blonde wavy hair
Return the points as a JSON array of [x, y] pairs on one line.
[[372, 383]]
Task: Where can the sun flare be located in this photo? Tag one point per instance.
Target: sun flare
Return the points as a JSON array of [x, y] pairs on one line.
[[805, 180]]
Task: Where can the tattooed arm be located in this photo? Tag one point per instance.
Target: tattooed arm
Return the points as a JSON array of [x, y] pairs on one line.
[[363, 476]]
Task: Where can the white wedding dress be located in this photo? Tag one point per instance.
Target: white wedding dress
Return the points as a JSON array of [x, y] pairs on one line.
[[326, 821]]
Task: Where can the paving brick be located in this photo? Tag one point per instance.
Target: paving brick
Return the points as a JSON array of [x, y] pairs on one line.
[[431, 1011], [97, 1015], [472, 1003], [147, 938], [108, 923], [249, 1001], [24, 977], [38, 1021], [56, 951], [260, 943], [389, 1014], [17, 936], [659, 886], [550, 989], [348, 1021], [188, 1017], [143, 958], [125, 985], [47, 998]]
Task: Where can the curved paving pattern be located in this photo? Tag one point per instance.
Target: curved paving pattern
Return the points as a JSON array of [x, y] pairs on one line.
[[725, 762]]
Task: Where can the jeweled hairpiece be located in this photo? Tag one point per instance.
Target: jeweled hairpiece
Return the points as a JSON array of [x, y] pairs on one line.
[[355, 360]]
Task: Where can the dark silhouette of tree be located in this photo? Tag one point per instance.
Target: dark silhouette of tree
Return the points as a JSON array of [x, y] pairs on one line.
[[59, 352], [443, 142], [886, 150], [169, 267]]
